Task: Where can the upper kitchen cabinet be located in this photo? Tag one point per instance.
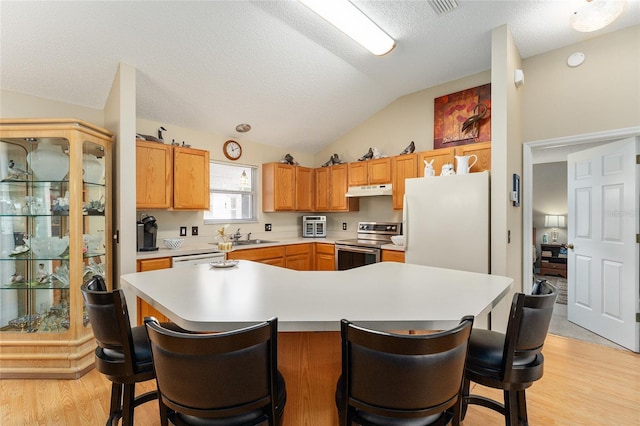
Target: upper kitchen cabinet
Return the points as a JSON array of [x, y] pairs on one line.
[[55, 217], [287, 188], [404, 167], [482, 150], [439, 157], [331, 189], [169, 177], [370, 172], [190, 179]]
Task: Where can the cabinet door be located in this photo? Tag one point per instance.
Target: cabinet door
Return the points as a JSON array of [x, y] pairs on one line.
[[379, 171], [298, 257], [392, 256], [403, 166], [154, 168], [190, 179], [358, 173], [322, 189], [278, 187], [325, 257], [482, 150], [338, 199], [440, 157], [305, 193], [143, 308]]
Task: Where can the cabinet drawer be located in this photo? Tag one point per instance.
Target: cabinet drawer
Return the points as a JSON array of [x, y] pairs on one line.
[[298, 249], [258, 254], [550, 265], [324, 248], [153, 264]]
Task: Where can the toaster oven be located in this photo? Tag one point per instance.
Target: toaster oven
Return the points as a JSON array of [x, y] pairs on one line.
[[314, 226]]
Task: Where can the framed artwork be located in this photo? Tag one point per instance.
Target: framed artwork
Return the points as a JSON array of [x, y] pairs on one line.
[[463, 117]]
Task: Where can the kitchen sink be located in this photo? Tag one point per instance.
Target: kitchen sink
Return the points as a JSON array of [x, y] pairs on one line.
[[252, 242]]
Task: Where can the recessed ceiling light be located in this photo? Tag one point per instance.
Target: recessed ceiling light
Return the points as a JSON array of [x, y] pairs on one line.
[[351, 21], [243, 128], [575, 59], [596, 14]]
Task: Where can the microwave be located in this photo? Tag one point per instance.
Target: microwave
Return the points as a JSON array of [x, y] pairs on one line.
[[314, 226]]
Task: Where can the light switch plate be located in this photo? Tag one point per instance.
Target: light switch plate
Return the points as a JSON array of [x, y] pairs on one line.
[[183, 231], [194, 230]]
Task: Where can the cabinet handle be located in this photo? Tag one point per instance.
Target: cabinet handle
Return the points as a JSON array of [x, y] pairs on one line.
[[570, 246]]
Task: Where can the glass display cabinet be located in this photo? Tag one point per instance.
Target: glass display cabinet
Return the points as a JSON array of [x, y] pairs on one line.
[[55, 234]]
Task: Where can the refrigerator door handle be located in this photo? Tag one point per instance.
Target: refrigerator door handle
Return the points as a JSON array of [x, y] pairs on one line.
[[405, 215]]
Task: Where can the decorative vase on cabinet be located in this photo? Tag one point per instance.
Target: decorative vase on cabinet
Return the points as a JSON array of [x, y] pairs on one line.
[[53, 227]]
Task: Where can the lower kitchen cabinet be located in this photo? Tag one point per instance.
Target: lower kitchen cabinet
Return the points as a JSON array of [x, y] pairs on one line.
[[298, 257], [269, 255], [325, 259], [392, 256], [143, 308]]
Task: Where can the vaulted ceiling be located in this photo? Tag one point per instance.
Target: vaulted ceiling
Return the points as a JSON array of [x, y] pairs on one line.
[[300, 83]]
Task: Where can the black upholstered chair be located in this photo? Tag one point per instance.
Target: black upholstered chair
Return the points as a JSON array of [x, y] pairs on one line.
[[123, 353], [228, 378], [401, 380], [511, 361]]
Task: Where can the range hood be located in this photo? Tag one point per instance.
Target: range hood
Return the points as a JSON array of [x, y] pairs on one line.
[[369, 190]]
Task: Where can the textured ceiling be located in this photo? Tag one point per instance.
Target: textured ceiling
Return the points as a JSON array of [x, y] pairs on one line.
[[300, 83]]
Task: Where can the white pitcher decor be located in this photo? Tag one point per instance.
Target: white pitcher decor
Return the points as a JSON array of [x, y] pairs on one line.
[[48, 162], [428, 168], [464, 165]]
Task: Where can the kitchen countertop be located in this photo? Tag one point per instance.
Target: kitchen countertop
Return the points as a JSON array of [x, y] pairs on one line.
[[385, 295], [203, 246]]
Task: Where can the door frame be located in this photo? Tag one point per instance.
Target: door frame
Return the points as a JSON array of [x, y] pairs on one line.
[[555, 144]]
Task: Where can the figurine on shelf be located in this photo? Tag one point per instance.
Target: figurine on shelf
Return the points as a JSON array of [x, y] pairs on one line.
[[378, 154], [333, 160], [288, 159], [41, 274], [17, 278], [367, 156], [15, 172], [409, 149]]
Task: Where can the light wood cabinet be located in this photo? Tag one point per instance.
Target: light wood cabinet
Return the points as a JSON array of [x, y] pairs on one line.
[[287, 188], [370, 172], [190, 179], [56, 226], [331, 189], [440, 157], [143, 308], [403, 167], [324, 257], [269, 255], [169, 177], [298, 257], [482, 150], [392, 256]]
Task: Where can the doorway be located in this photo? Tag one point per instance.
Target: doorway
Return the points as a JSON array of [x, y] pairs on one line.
[[538, 155]]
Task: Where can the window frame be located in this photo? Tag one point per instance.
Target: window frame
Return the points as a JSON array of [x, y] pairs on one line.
[[253, 193]]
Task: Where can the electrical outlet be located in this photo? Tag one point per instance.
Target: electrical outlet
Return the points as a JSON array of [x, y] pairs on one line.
[[344, 226], [267, 227], [194, 230], [183, 231]]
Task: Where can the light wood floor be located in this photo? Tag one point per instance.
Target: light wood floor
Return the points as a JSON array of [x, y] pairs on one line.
[[583, 384]]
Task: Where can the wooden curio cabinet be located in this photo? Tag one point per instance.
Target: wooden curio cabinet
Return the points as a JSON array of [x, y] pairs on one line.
[[55, 234]]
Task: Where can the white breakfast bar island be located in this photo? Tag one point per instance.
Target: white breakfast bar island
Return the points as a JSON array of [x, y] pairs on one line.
[[309, 306]]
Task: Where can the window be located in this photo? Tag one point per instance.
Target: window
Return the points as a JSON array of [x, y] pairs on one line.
[[232, 193]]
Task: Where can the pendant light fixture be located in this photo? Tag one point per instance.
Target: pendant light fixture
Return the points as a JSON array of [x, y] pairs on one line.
[[351, 21]]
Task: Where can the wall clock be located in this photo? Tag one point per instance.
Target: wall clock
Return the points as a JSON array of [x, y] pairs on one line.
[[232, 150]]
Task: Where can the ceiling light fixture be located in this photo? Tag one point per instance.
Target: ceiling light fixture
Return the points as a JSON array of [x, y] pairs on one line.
[[243, 128], [351, 21], [596, 14]]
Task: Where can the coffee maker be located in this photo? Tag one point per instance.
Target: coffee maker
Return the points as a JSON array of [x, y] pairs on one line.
[[146, 230]]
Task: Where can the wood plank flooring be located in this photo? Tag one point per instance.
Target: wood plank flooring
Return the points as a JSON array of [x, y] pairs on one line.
[[583, 384]]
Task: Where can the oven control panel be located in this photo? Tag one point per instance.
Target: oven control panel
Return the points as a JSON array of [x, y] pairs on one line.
[[380, 228]]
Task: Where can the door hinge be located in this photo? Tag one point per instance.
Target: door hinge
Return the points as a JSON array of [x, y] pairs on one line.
[[638, 238], [637, 316], [637, 158]]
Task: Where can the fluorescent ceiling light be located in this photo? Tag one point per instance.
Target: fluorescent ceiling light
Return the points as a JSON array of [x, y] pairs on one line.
[[351, 21], [596, 14]]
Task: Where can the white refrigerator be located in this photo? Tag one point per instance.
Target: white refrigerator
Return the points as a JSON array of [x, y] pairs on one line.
[[446, 221]]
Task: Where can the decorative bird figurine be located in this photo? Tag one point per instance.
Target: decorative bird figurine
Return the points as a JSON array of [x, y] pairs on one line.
[[16, 172], [409, 149], [160, 130], [473, 122], [367, 156], [334, 159], [288, 159], [329, 162]]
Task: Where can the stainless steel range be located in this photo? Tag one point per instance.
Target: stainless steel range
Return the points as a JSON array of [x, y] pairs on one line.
[[365, 249]]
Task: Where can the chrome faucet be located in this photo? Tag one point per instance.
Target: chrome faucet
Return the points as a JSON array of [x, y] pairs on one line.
[[248, 236], [237, 235]]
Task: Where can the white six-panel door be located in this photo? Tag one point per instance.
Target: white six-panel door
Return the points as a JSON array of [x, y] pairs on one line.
[[603, 289]]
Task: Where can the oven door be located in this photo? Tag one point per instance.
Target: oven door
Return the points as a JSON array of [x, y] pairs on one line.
[[348, 257]]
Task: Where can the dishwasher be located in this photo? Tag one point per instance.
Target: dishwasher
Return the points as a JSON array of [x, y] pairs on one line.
[[196, 259]]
